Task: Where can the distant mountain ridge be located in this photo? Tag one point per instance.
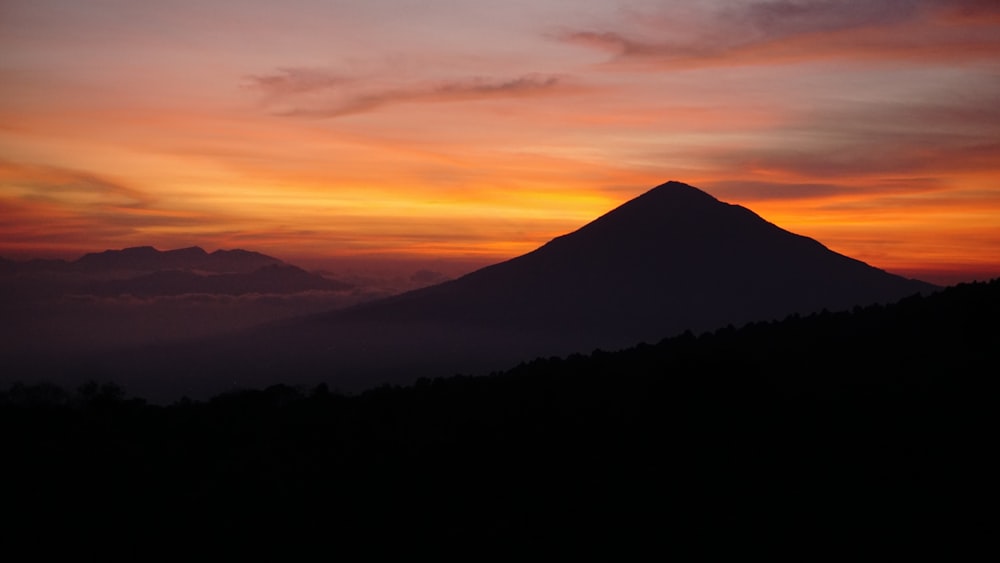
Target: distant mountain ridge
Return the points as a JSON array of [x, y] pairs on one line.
[[147, 258], [144, 271]]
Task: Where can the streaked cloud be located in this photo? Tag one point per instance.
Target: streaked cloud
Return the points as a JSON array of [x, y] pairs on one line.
[[789, 31], [48, 205], [76, 187], [292, 81], [319, 93]]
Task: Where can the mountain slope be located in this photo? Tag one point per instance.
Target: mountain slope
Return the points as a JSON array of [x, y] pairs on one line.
[[672, 259]]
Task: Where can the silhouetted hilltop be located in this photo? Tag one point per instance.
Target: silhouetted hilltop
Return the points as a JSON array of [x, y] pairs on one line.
[[672, 259], [147, 258], [239, 260]]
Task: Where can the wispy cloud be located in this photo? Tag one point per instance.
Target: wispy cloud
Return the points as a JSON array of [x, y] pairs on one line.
[[50, 183], [898, 138], [861, 160], [781, 31], [53, 204], [783, 18], [325, 94], [292, 81]]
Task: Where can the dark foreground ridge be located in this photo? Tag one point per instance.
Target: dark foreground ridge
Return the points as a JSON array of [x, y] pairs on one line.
[[816, 435]]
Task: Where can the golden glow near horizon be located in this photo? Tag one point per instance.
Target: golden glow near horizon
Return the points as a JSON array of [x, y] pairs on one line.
[[456, 129]]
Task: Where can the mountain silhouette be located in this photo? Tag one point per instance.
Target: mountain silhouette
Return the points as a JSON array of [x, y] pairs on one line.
[[671, 260], [144, 271], [147, 258]]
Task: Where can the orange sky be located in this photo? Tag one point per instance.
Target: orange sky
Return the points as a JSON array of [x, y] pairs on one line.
[[477, 131]]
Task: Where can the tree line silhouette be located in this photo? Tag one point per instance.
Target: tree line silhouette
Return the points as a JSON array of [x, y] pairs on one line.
[[821, 431]]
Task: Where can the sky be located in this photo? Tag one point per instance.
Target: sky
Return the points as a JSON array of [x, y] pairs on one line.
[[477, 131]]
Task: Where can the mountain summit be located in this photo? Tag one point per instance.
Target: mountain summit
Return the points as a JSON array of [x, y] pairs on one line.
[[672, 259]]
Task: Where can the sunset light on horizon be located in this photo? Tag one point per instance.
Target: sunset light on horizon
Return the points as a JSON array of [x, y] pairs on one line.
[[472, 131]]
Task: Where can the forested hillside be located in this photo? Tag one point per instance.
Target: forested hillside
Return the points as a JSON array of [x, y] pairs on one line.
[[819, 431]]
